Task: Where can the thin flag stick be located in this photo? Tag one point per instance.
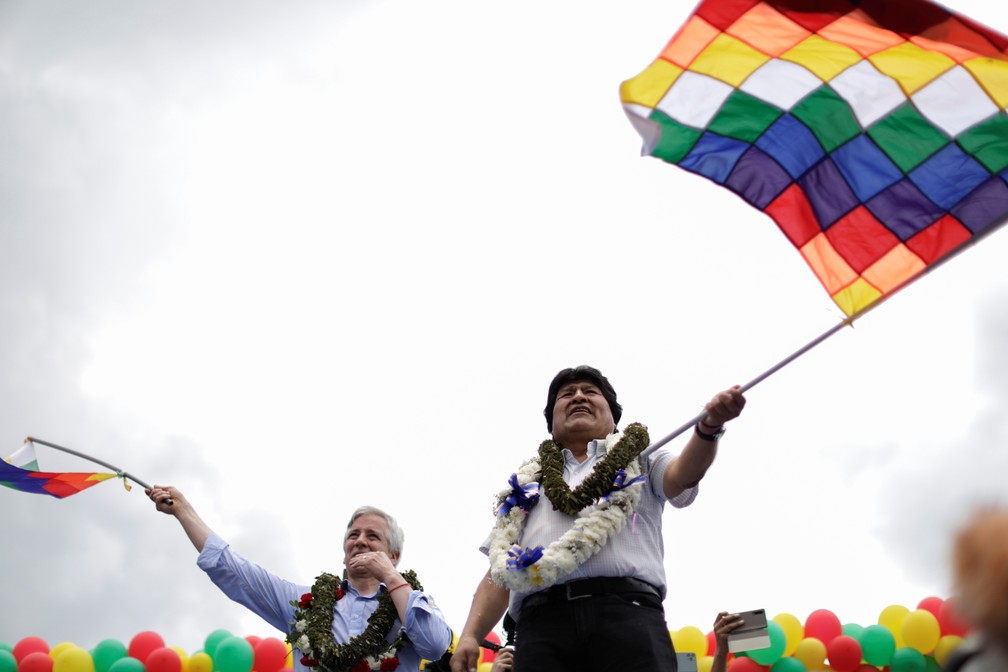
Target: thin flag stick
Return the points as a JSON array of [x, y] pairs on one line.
[[117, 470], [849, 321]]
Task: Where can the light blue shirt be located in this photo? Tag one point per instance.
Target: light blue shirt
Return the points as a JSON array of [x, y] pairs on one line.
[[270, 597]]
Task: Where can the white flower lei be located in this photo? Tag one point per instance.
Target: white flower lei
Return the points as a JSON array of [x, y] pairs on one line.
[[590, 532]]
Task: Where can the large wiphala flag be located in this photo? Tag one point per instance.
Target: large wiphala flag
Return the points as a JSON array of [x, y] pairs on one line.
[[873, 133]]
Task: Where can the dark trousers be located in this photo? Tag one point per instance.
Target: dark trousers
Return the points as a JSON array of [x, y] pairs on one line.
[[622, 632]]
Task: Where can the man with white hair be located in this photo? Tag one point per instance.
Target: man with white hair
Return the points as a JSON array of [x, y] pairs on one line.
[[374, 619]]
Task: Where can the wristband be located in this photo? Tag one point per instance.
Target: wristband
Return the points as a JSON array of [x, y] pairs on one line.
[[392, 590], [709, 437]]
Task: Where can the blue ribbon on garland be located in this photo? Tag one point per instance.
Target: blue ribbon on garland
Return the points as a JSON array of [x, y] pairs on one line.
[[518, 559], [524, 497]]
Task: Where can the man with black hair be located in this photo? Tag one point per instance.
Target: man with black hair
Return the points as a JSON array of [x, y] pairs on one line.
[[581, 571]]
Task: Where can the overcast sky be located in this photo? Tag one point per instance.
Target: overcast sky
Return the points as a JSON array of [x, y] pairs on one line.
[[295, 258]]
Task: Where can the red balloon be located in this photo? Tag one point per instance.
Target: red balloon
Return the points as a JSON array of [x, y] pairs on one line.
[[489, 655], [932, 604], [844, 653], [29, 645], [743, 664], [950, 621], [270, 655], [865, 667], [711, 643], [824, 625], [36, 661], [163, 659], [253, 640], [143, 643]]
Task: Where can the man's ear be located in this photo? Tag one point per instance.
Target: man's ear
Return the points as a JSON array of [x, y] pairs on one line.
[[394, 557]]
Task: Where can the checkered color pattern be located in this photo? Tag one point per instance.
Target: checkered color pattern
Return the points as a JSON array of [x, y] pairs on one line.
[[873, 133]]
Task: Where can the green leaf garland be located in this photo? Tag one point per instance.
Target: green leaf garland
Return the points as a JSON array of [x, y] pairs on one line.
[[315, 613], [600, 482]]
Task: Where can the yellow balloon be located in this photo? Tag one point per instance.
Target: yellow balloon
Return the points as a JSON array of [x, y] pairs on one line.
[[946, 645], [183, 656], [892, 618], [289, 662], [811, 652], [794, 631], [60, 648], [705, 664], [200, 662], [73, 659], [921, 631], [690, 639], [484, 667]]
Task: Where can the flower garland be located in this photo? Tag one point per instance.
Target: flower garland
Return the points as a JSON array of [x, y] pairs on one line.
[[312, 632], [606, 512]]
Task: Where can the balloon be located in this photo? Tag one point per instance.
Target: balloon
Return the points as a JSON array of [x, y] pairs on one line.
[[213, 639], [269, 655], [183, 656], [793, 630], [690, 639], [852, 630], [772, 653], [823, 625], [107, 652], [951, 621], [489, 655], [705, 664], [36, 661], [865, 667], [843, 653], [200, 662], [73, 659], [743, 664], [233, 654], [8, 663], [29, 645], [143, 643], [892, 618], [163, 660], [127, 664], [788, 665], [932, 604], [921, 630], [811, 652], [877, 645], [484, 667], [907, 659], [55, 651], [946, 645]]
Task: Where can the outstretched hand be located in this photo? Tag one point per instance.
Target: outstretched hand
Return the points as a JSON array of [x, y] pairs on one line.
[[724, 406]]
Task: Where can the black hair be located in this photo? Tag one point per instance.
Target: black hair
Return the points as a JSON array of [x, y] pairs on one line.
[[577, 374]]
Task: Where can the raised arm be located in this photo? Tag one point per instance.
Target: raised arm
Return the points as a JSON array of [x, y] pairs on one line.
[[194, 527], [686, 470], [488, 606]]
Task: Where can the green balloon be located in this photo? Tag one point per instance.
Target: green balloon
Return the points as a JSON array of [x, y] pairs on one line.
[[778, 642], [234, 654], [8, 663], [852, 630], [107, 652], [907, 659], [4, 646], [932, 664], [877, 645], [127, 664], [214, 639], [788, 664]]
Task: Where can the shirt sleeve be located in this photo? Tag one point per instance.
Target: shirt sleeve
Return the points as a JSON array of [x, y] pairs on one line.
[[248, 584], [426, 627], [656, 471]]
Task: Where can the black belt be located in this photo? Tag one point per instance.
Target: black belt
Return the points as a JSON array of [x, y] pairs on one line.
[[599, 585]]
